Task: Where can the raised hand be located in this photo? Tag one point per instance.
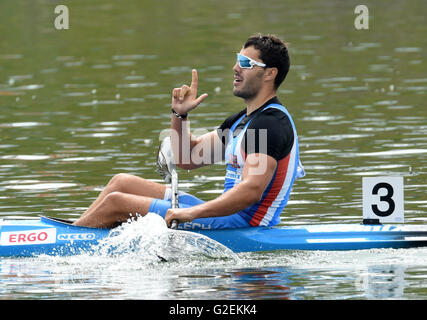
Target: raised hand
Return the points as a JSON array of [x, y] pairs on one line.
[[185, 99]]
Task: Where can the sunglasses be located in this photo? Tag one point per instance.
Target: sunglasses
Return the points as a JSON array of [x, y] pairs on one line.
[[248, 63]]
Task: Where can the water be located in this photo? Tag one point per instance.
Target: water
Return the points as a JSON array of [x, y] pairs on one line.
[[83, 104], [195, 273]]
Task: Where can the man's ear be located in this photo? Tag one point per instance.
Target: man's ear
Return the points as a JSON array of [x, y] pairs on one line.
[[270, 74]]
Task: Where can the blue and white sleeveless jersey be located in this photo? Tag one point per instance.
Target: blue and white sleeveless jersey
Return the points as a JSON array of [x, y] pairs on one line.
[[267, 211]]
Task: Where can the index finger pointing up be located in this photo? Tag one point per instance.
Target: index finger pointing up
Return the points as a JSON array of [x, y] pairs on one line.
[[194, 79]]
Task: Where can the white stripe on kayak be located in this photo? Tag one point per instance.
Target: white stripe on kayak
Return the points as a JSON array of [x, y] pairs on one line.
[[337, 240]]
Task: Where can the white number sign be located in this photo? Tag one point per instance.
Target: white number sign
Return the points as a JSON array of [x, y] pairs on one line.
[[383, 199]]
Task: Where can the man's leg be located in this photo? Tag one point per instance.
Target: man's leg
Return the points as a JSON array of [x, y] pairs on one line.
[[121, 184], [115, 208]]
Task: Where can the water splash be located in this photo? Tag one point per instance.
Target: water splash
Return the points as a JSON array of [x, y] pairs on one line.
[[148, 238]]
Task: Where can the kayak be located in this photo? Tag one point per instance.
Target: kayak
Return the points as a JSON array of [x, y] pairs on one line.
[[321, 237], [52, 236]]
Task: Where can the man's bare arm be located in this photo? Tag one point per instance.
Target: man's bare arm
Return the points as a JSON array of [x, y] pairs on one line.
[[191, 152], [257, 174]]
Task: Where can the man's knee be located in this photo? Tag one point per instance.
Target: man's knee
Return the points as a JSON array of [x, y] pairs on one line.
[[119, 181], [120, 177], [114, 199]]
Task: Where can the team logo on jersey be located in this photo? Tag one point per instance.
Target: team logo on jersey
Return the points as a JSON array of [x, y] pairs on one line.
[[232, 161]]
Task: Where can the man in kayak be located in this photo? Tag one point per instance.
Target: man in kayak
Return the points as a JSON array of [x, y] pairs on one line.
[[259, 144]]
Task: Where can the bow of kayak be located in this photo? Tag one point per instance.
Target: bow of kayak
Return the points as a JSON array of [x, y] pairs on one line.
[[46, 236], [59, 237]]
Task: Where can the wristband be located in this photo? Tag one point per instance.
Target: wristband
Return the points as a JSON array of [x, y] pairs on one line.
[[181, 116]]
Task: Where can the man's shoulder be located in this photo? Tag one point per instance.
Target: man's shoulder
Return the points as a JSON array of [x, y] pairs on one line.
[[271, 117], [273, 109], [232, 119]]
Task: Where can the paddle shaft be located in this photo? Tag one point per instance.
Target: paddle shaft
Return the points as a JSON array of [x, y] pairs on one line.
[[167, 169], [174, 199]]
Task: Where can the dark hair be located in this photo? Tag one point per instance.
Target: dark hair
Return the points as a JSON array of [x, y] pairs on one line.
[[273, 52]]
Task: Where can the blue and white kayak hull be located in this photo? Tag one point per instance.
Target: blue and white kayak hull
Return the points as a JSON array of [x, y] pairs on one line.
[[58, 237], [49, 236], [321, 237]]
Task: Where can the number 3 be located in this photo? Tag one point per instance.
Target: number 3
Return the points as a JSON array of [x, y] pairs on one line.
[[386, 198]]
